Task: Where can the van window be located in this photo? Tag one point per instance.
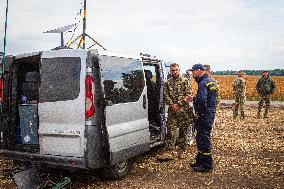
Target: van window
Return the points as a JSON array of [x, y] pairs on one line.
[[123, 79], [60, 79]]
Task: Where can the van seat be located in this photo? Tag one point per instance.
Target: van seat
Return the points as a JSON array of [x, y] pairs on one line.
[[31, 86]]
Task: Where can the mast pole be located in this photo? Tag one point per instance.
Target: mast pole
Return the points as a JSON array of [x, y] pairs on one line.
[[84, 25], [3, 61]]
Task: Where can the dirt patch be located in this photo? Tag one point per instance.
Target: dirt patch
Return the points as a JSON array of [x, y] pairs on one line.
[[247, 154]]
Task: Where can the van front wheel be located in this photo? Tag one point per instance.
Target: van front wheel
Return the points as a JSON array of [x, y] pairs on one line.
[[117, 171]]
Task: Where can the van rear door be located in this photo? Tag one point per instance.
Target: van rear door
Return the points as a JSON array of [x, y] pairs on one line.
[[61, 105], [126, 106]]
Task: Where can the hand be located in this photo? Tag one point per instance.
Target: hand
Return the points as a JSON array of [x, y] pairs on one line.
[[175, 107], [188, 98]]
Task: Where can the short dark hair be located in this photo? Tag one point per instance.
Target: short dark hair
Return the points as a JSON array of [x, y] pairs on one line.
[[207, 67], [174, 65]]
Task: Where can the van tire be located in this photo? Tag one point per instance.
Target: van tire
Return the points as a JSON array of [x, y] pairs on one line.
[[117, 171]]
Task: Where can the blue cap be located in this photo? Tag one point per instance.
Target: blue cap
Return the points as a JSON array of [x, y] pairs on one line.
[[197, 67]]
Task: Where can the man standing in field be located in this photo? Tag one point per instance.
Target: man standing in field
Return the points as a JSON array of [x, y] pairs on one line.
[[208, 71], [205, 109], [239, 87], [265, 88], [187, 75], [177, 94]]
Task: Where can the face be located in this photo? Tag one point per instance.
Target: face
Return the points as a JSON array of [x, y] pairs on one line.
[[175, 71], [242, 75], [188, 72], [265, 74], [197, 73]]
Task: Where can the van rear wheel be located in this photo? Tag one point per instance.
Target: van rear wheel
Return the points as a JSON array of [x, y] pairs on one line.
[[117, 171]]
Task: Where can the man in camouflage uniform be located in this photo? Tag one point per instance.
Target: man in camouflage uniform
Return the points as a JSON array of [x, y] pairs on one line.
[[188, 76], [177, 94], [190, 133], [265, 88], [239, 87]]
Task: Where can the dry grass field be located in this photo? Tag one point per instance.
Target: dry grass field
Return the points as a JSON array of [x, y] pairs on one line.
[[227, 90], [247, 154]]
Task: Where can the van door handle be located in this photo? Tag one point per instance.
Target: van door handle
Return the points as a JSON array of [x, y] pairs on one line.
[[144, 101]]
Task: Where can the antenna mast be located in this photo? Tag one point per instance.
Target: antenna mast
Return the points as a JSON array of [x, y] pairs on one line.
[[3, 62], [84, 25], [82, 37]]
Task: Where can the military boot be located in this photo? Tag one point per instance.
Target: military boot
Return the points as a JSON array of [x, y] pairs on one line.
[[206, 164], [198, 160], [165, 157], [182, 155], [202, 169], [258, 114], [242, 115], [265, 115], [235, 114]]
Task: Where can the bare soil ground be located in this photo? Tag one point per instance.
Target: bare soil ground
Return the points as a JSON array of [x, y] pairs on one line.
[[247, 154]]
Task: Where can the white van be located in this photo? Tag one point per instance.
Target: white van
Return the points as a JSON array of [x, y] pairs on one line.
[[83, 108]]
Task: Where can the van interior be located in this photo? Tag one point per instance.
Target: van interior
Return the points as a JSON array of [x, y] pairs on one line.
[[154, 83], [24, 92]]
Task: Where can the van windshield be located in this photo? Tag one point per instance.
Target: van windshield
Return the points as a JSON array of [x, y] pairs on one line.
[[60, 79]]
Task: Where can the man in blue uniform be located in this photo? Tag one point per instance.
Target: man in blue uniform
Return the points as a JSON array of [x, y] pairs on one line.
[[205, 106]]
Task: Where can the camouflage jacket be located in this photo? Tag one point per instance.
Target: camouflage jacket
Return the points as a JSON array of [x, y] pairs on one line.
[[176, 89], [265, 86], [239, 86]]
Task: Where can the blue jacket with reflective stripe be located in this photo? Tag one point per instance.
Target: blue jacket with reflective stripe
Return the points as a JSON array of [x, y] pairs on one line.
[[205, 99]]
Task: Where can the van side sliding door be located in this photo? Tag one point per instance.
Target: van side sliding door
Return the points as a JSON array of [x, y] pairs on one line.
[[125, 107]]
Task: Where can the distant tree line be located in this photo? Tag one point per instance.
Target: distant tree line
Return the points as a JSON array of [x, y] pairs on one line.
[[276, 72]]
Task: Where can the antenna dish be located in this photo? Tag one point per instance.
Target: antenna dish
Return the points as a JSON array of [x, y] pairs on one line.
[[61, 30]]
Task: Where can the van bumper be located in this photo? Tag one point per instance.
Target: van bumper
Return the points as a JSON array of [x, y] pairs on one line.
[[46, 159]]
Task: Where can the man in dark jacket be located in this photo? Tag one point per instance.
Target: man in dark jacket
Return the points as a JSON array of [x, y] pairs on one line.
[[205, 107], [265, 88]]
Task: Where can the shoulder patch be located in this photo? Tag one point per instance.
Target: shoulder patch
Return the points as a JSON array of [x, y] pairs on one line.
[[209, 83], [213, 88]]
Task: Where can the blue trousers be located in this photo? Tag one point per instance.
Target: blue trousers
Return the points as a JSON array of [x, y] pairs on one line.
[[203, 126]]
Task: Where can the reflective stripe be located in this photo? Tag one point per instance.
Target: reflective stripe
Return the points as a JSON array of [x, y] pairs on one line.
[[207, 154], [213, 88], [212, 82]]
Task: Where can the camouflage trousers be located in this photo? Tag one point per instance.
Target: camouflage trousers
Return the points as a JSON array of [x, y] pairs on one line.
[[239, 106], [264, 99], [177, 129]]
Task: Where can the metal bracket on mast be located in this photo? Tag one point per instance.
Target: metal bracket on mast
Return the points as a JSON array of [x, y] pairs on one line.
[[82, 37]]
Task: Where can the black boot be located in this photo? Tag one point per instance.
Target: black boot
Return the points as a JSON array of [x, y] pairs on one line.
[[198, 160], [206, 163], [202, 169]]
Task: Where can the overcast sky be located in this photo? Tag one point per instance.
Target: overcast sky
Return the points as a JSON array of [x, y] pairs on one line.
[[227, 34]]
